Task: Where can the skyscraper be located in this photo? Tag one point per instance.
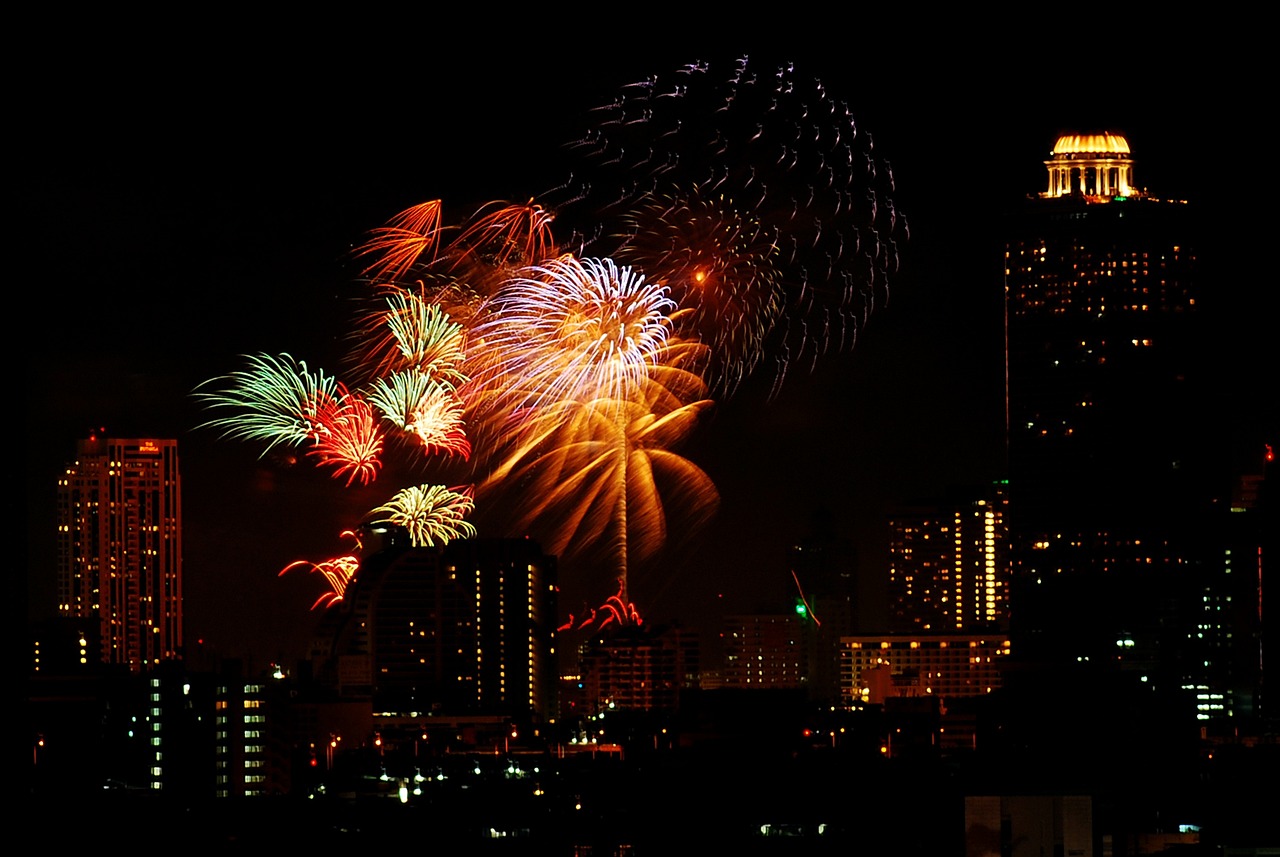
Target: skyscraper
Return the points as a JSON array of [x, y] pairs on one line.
[[120, 547], [1112, 485]]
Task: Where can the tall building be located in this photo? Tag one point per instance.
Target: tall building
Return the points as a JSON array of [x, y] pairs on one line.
[[949, 565], [1119, 489], [1105, 431], [469, 628], [120, 547]]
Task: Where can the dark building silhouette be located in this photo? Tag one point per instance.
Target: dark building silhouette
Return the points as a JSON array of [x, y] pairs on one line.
[[1118, 493], [468, 628]]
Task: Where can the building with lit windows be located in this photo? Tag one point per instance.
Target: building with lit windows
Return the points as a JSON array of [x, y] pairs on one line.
[[765, 651], [946, 666], [120, 547], [468, 628], [632, 668], [252, 739], [1129, 552], [949, 565], [1108, 427]]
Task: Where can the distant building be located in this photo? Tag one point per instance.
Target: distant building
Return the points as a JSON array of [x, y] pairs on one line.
[[949, 565], [765, 651], [120, 547], [254, 732], [947, 666], [633, 668]]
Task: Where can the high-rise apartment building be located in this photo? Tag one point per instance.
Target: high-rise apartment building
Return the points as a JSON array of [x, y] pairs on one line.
[[120, 547], [949, 564]]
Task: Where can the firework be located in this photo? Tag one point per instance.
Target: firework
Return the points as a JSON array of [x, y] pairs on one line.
[[572, 330], [602, 473], [424, 407], [337, 572], [755, 177], [508, 237], [401, 245], [346, 438], [407, 331], [726, 221], [277, 400], [432, 514]]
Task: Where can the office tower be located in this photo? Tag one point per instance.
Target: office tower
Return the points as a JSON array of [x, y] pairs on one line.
[[464, 629], [120, 547], [949, 564], [1117, 478]]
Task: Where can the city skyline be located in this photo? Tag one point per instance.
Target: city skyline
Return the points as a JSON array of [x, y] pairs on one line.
[[266, 275]]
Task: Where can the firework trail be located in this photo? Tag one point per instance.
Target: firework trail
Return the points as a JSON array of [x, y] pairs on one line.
[[754, 197], [337, 572]]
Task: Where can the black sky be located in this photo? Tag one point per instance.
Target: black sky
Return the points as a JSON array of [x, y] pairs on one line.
[[190, 204]]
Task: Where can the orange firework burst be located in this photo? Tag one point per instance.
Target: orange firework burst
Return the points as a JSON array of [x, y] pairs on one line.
[[510, 236], [337, 572], [603, 471], [403, 243]]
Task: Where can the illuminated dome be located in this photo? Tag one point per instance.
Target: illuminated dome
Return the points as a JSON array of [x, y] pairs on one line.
[[1097, 167], [1080, 144]]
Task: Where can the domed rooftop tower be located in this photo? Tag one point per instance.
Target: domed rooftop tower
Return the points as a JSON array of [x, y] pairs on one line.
[[1091, 165]]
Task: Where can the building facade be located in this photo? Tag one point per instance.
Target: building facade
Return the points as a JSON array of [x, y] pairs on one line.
[[1128, 549], [469, 628], [766, 651], [946, 666], [120, 547], [949, 564]]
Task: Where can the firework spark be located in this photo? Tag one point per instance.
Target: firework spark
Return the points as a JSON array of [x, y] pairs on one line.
[[408, 331], [426, 408], [404, 242], [346, 438], [277, 400], [432, 514], [508, 237], [337, 572], [572, 330]]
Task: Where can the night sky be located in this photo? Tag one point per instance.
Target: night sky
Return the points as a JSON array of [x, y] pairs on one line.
[[193, 204]]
